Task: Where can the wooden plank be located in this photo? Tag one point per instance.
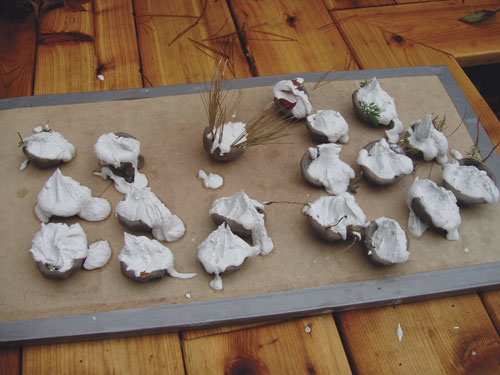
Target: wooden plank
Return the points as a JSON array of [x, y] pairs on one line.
[[198, 333], [302, 346], [450, 335], [376, 48], [9, 361], [157, 354], [17, 53], [294, 42], [76, 46], [168, 62], [436, 25], [350, 4], [491, 301]]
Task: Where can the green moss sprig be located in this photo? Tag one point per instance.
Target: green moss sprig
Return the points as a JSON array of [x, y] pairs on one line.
[[372, 111]]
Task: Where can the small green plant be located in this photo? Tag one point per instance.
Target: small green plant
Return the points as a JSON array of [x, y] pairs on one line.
[[364, 82], [372, 111], [21, 142]]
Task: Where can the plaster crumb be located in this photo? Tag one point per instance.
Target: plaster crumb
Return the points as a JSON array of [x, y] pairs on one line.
[[456, 327], [188, 295], [315, 260], [456, 154], [399, 332], [308, 329], [193, 239], [211, 180], [234, 115], [370, 252], [93, 318], [473, 352], [466, 250], [24, 164], [100, 77]]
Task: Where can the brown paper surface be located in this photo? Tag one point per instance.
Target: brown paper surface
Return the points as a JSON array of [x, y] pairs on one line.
[[170, 131]]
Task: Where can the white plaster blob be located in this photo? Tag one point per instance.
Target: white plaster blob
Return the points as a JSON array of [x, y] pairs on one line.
[[225, 135], [98, 255], [211, 180], [471, 182], [373, 93], [384, 162], [439, 203], [327, 168], [114, 150], [100, 77], [243, 210], [24, 164], [144, 205], [48, 144], [399, 332], [289, 91], [65, 197], [122, 186], [423, 136], [221, 250], [59, 245], [141, 254], [455, 154], [331, 124], [336, 213], [389, 241]]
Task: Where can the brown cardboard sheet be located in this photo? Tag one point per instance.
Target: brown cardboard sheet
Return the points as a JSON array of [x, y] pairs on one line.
[[170, 131]]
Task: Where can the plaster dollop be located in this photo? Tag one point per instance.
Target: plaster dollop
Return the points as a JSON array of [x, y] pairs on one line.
[[143, 256], [65, 197], [222, 251], [243, 211], [59, 246], [144, 206], [439, 204]]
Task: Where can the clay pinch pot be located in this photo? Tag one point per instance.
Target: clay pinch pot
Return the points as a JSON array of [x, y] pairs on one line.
[[358, 110], [421, 212], [137, 225], [372, 177], [39, 162], [144, 276], [463, 198], [126, 170], [235, 227], [305, 162], [51, 273], [233, 154], [285, 107], [369, 245], [328, 235]]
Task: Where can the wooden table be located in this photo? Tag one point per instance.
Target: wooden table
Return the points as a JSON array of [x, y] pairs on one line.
[[133, 44]]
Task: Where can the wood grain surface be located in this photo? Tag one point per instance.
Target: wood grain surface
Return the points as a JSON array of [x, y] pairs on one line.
[[445, 336], [290, 37], [491, 301], [17, 53], [173, 51], [301, 346], [9, 361], [441, 30], [155, 354], [75, 47]]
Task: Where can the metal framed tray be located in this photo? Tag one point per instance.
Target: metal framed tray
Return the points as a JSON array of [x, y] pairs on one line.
[[379, 291]]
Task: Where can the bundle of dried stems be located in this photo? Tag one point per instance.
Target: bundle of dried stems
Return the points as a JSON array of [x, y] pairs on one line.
[[221, 103]]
